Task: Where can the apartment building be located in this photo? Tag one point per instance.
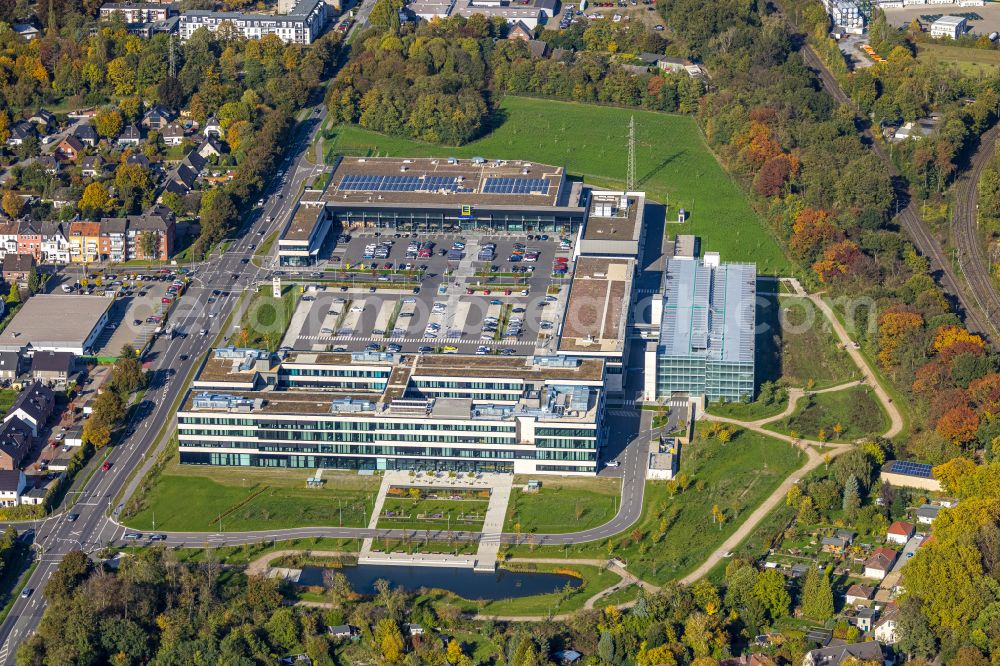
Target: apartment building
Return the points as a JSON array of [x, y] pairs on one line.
[[380, 411], [302, 25], [84, 242], [137, 12]]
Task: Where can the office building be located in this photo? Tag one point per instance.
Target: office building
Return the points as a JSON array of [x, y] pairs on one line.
[[706, 317], [380, 411], [950, 27]]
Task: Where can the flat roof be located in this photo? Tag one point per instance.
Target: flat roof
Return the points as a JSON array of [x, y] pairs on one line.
[[598, 305], [506, 367], [54, 320], [953, 21], [303, 223], [445, 181], [609, 220], [709, 311]]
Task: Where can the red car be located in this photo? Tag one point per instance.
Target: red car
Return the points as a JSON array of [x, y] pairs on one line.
[[166, 300], [106, 466]]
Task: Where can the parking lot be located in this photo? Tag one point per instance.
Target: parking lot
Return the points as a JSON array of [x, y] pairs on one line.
[[132, 318], [455, 300]]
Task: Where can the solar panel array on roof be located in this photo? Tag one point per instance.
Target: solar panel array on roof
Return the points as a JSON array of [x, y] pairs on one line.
[[515, 186], [421, 183], [909, 468]]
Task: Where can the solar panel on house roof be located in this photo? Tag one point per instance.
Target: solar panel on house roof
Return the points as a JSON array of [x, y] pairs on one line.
[[911, 469], [515, 186]]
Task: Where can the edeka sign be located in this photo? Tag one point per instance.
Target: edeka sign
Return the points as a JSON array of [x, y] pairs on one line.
[[466, 213]]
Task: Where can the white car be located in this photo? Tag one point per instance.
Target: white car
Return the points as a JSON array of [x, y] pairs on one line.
[[612, 463]]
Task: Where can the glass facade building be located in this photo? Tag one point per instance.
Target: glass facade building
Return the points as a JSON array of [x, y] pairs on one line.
[[707, 330]]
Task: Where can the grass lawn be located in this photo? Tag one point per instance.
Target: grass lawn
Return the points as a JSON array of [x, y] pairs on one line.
[[7, 398], [747, 411], [243, 555], [562, 505], [810, 349], [855, 409], [433, 514], [267, 318], [673, 165], [970, 62], [673, 536], [620, 596], [192, 499], [420, 545]]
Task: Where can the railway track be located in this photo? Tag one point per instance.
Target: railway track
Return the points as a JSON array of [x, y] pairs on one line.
[[980, 300]]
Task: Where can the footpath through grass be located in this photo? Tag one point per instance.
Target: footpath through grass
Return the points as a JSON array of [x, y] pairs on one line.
[[191, 498], [675, 534], [562, 505], [840, 416], [674, 165]]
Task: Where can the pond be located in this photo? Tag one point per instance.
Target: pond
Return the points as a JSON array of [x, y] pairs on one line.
[[466, 583]]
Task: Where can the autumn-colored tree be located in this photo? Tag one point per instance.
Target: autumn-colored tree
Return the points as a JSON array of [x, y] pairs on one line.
[[958, 424], [838, 260], [951, 473], [4, 127], [95, 200], [895, 325], [11, 203], [108, 122], [757, 145], [985, 393], [946, 336], [930, 377], [812, 231], [773, 175]]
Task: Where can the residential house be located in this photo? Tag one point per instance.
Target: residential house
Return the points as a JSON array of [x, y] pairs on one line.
[[114, 239], [33, 407], [52, 367], [10, 365], [61, 197], [8, 236], [754, 659], [49, 163], [834, 544], [880, 563], [210, 147], [182, 178], [130, 136], [46, 120], [84, 242], [29, 238], [17, 268], [863, 618], [137, 12], [173, 135], [15, 443], [69, 149], [27, 30], [884, 629], [55, 243], [520, 31], [12, 485], [838, 654], [343, 631], [858, 594], [92, 166], [414, 630], [927, 513], [899, 533], [139, 159], [212, 128], [159, 221], [86, 133], [20, 132], [157, 117]]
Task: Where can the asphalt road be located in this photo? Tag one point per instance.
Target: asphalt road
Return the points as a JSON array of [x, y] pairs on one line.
[[974, 304]]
